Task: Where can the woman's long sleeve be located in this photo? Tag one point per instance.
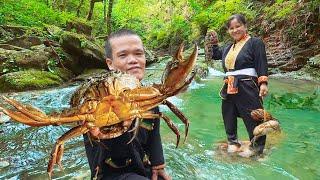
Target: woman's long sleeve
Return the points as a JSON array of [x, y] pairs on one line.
[[216, 52], [260, 61]]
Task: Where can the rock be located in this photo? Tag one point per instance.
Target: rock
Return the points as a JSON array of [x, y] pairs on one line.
[[150, 57], [53, 30], [314, 61], [64, 74], [4, 164], [85, 52], [10, 47], [79, 27], [28, 80], [36, 59], [202, 70], [294, 65], [24, 41], [9, 32], [88, 73], [12, 60]]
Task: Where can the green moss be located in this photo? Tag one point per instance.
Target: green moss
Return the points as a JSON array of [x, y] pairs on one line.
[[28, 80], [280, 10], [67, 36], [64, 74]]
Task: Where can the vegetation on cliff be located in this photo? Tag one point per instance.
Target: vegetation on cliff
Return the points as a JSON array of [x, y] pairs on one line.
[[73, 31]]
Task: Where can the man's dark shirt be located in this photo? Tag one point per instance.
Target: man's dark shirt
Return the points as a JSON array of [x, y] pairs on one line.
[[147, 143]]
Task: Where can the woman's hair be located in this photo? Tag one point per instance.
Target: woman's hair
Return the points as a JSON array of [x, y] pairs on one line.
[[239, 17]]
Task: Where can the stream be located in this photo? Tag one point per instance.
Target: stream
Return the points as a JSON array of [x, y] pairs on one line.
[[291, 154]]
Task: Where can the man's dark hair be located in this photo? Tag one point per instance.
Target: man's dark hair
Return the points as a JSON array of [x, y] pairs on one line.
[[120, 33], [239, 17]]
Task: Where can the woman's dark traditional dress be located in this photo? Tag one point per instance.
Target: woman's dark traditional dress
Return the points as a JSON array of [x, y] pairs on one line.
[[245, 65]]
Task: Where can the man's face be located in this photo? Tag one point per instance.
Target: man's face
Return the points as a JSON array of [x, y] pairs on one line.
[[128, 55]]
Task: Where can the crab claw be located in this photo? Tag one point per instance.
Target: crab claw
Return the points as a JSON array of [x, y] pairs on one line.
[[177, 71], [265, 128], [261, 115]]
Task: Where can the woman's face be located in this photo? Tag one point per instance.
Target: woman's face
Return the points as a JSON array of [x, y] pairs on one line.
[[237, 30]]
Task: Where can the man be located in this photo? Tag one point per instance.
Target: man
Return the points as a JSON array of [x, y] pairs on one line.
[[115, 158]]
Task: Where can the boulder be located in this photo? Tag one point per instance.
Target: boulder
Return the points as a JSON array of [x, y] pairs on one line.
[[150, 57], [314, 61], [24, 41], [85, 52], [8, 32], [79, 27], [12, 60], [28, 80]]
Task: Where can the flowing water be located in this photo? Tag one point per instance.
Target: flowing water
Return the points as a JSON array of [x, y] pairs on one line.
[[293, 154]]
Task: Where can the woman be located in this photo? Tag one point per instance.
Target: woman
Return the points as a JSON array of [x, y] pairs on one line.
[[245, 64]]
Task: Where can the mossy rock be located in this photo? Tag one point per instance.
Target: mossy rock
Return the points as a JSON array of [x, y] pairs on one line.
[[64, 74], [202, 70], [314, 61], [28, 80], [86, 52], [80, 27]]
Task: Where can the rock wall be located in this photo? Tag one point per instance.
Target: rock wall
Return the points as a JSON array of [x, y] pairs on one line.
[[291, 43]]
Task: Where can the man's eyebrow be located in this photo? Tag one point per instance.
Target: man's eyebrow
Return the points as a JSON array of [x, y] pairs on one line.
[[139, 50], [122, 51]]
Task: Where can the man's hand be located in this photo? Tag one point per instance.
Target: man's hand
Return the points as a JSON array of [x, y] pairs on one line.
[[160, 172], [263, 90]]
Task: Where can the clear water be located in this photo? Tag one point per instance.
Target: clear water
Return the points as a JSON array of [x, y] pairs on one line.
[[293, 154]]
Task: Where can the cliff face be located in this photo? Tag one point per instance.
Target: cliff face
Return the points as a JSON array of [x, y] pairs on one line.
[[293, 42]]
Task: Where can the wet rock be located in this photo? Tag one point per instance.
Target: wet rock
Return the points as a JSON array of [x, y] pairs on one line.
[[314, 61], [28, 80], [4, 164], [88, 73], [150, 57], [202, 70]]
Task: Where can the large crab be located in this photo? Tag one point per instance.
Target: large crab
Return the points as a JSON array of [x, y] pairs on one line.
[[270, 124], [110, 103]]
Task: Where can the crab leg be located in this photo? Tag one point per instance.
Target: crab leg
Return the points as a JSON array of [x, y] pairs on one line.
[[57, 151], [180, 115], [40, 117], [20, 117], [149, 115]]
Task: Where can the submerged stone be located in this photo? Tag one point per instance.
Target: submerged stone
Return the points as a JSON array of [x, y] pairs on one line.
[[4, 164]]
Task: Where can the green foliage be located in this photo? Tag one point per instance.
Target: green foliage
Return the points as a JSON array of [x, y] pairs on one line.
[[280, 10], [31, 13], [161, 24], [294, 101]]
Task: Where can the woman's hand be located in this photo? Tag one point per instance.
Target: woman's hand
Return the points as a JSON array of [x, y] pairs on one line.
[[214, 38], [263, 90], [159, 171]]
